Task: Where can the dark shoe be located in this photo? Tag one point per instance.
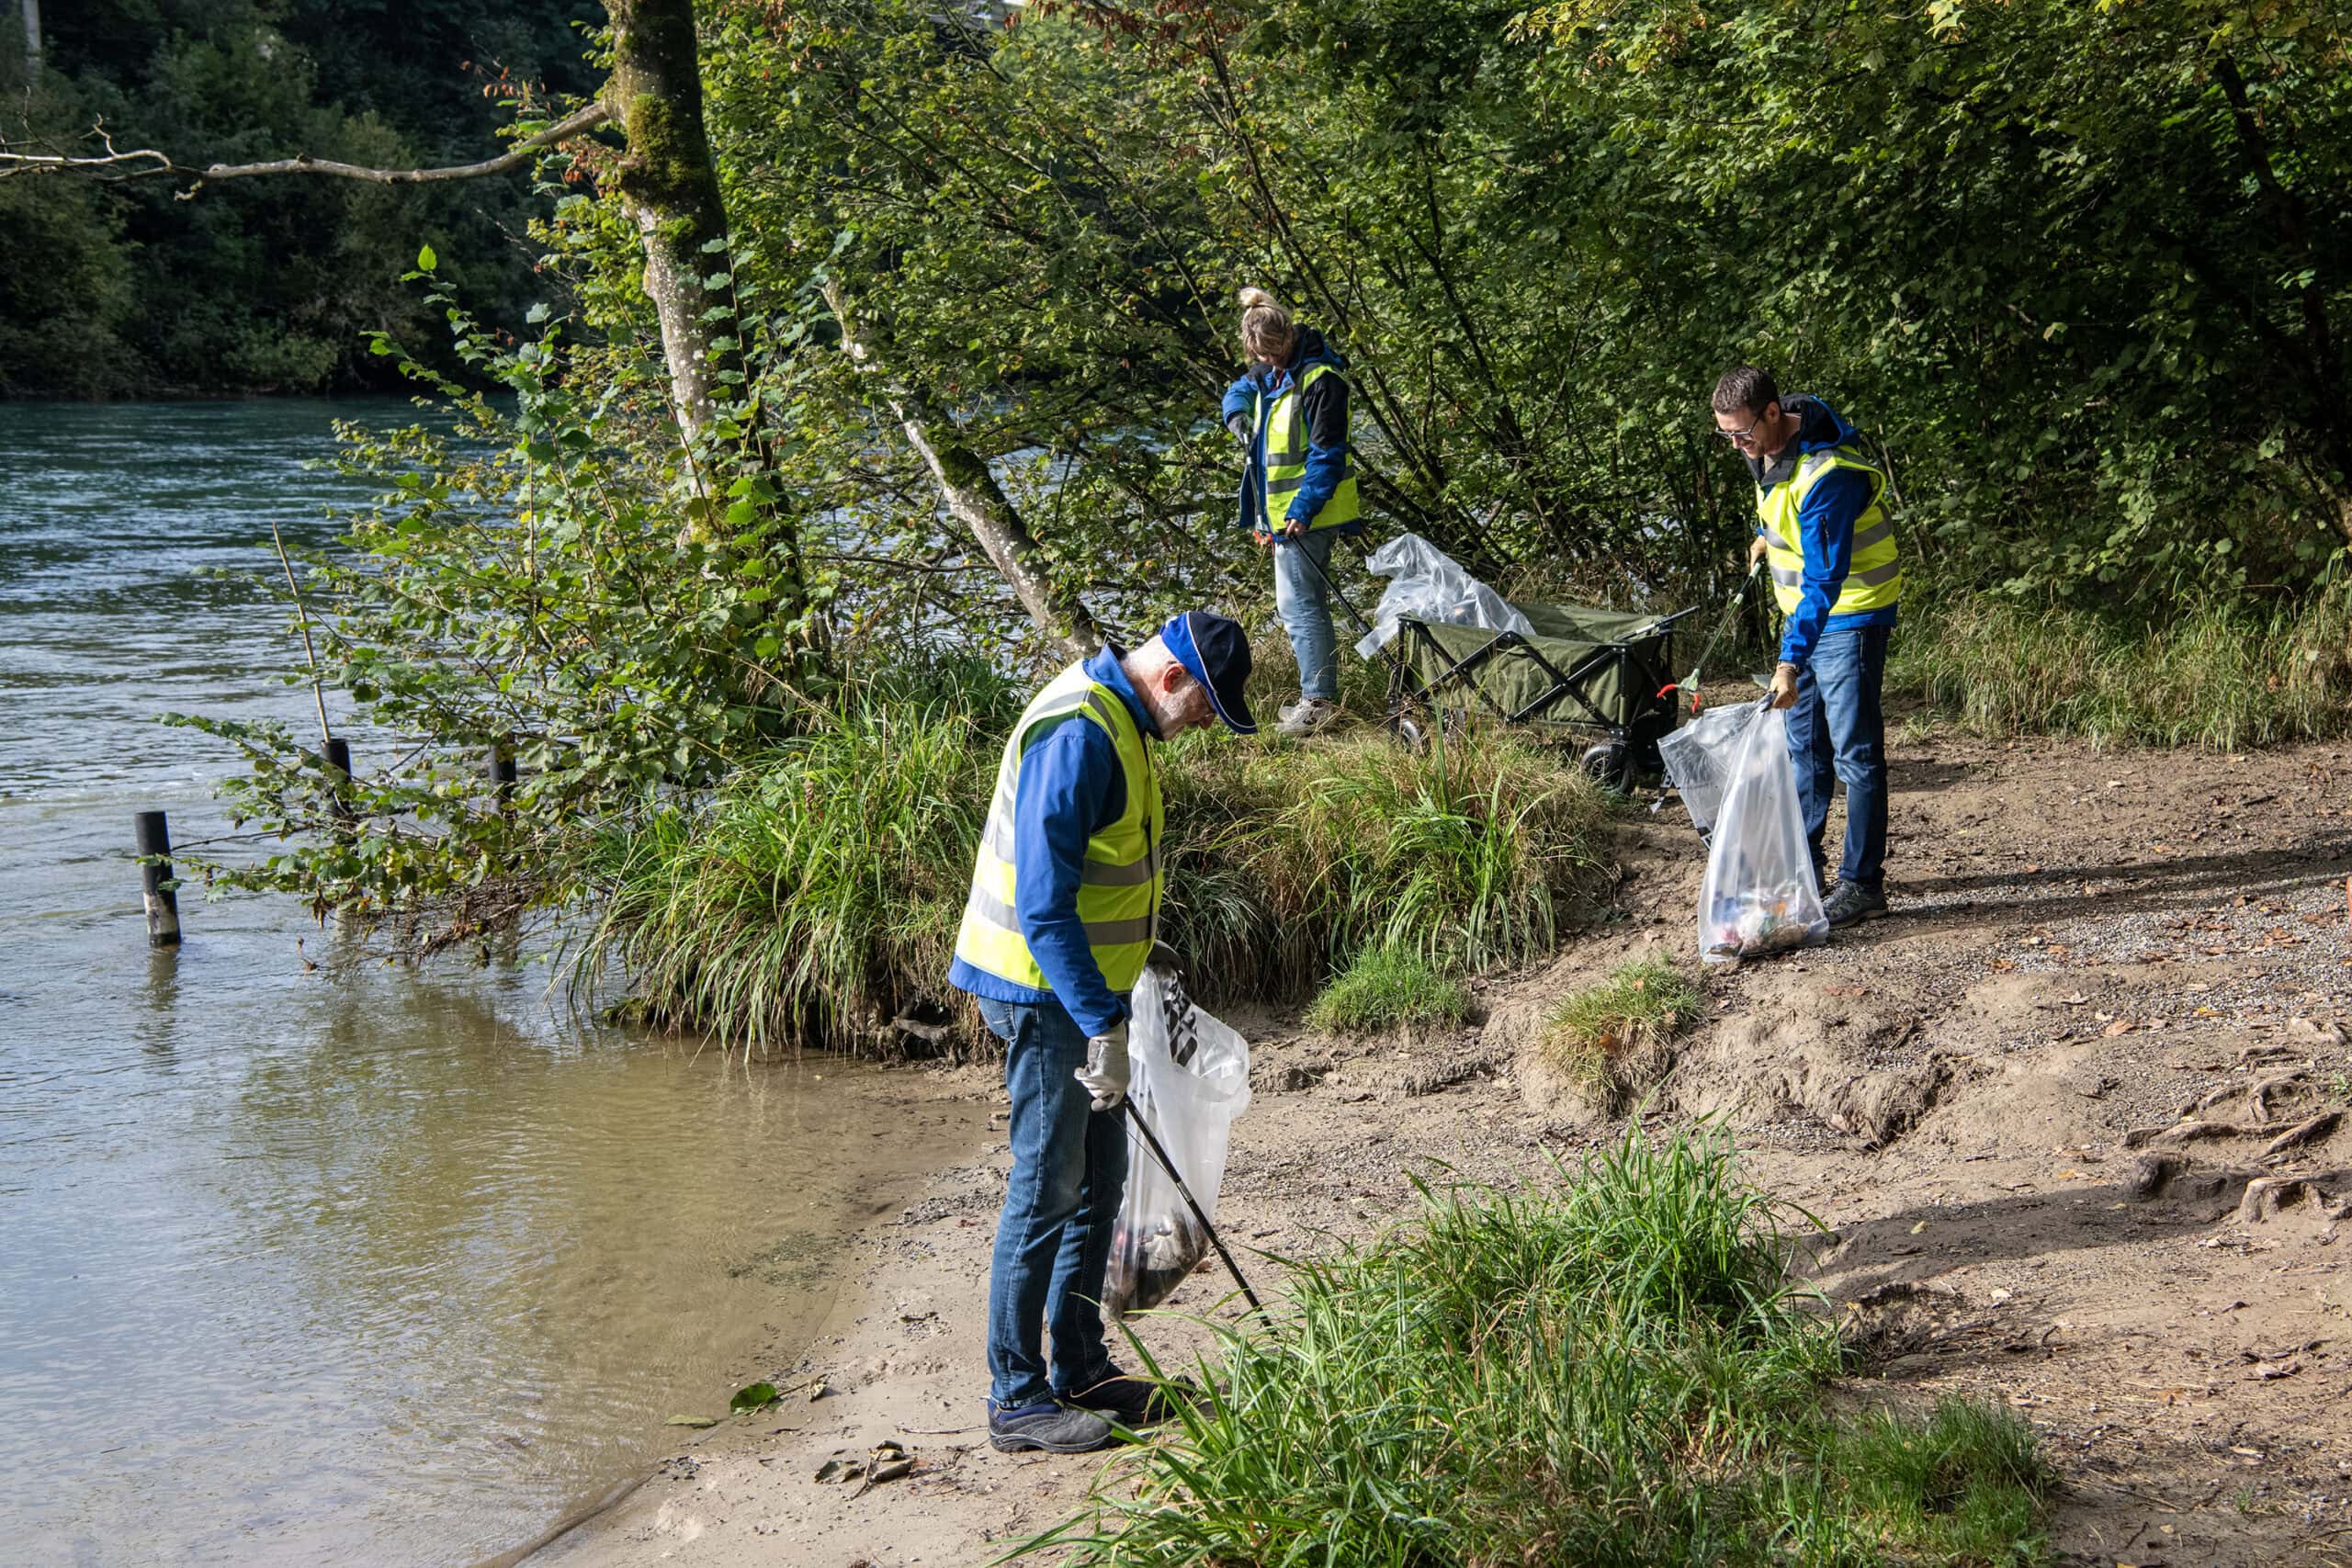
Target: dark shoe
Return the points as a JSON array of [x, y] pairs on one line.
[[1056, 1428], [1850, 905], [1134, 1402]]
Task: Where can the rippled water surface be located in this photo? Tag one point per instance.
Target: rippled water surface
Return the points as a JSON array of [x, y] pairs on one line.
[[344, 1266]]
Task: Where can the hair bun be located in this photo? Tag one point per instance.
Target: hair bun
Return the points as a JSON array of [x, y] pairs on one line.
[[1251, 298]]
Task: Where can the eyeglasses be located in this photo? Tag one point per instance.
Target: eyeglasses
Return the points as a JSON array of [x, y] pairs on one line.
[[1741, 438]]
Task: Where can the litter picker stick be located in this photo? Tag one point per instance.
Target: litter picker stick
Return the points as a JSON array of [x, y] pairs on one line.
[[1329, 587], [1691, 681], [1135, 1119]]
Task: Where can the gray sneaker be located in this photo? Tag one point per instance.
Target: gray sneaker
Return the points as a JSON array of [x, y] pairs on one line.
[[1308, 715], [1850, 905], [1056, 1428]]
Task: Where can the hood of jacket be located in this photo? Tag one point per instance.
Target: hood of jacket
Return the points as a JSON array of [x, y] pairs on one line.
[[1818, 426]]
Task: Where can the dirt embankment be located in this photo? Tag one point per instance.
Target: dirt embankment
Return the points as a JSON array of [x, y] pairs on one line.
[[2068, 1122]]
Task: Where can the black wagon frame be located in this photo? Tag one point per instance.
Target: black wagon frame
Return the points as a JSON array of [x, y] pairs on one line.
[[1628, 744]]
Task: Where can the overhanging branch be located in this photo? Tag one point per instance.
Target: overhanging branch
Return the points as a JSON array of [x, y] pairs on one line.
[[116, 163]]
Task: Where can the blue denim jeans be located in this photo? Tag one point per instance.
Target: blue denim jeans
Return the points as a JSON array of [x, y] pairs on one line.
[[1306, 608], [1837, 732], [1052, 1240]]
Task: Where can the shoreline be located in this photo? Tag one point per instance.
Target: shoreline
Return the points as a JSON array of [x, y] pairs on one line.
[[1943, 1089]]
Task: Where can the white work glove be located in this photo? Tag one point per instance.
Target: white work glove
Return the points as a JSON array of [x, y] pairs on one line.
[[1106, 1072]]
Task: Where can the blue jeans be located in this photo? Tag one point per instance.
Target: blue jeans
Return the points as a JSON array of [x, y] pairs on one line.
[[1052, 1240], [1301, 600], [1837, 732]]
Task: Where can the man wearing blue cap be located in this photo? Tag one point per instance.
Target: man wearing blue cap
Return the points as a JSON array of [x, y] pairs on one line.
[[1064, 914]]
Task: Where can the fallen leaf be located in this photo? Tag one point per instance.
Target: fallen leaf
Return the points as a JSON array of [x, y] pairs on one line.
[[2077, 1000], [1917, 1228], [692, 1421], [2120, 1026]]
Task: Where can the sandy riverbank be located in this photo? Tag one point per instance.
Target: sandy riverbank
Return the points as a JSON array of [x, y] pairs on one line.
[[2087, 944]]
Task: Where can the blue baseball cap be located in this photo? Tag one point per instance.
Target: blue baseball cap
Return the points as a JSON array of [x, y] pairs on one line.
[[1215, 651]]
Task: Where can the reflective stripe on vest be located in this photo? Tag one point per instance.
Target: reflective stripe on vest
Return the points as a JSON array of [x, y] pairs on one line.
[[1874, 575], [1120, 883], [1282, 418]]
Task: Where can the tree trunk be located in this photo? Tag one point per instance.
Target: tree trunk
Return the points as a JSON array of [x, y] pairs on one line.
[[32, 10], [669, 187], [972, 495]]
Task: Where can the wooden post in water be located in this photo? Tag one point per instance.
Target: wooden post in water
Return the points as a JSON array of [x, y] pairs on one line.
[[339, 776], [154, 838], [499, 765]]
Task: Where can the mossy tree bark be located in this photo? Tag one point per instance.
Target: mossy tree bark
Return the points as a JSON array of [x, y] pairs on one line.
[[970, 491], [669, 187]]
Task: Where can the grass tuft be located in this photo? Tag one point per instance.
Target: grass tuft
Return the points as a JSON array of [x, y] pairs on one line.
[[2219, 676], [1386, 988], [816, 895], [1614, 1038], [1611, 1370]]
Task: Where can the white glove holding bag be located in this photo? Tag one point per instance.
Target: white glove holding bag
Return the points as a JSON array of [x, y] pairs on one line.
[[1106, 1072]]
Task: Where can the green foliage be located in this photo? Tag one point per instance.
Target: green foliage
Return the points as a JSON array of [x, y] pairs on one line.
[[816, 895], [1613, 1369], [2217, 675], [547, 571], [1614, 1038], [1389, 988], [1285, 861], [263, 285], [819, 894]]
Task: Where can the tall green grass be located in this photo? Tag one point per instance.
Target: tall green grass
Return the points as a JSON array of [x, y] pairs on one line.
[[816, 895], [2217, 675], [1614, 1370], [1286, 860], [808, 901]]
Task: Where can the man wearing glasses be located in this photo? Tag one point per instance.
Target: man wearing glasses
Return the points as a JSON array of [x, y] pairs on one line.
[[1832, 553]]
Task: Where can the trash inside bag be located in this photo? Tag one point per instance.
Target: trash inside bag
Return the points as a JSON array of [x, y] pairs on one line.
[[1759, 896], [1190, 1077], [1427, 584], [1700, 757]]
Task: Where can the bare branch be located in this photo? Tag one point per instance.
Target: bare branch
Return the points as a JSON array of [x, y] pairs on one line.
[[514, 157], [115, 163]]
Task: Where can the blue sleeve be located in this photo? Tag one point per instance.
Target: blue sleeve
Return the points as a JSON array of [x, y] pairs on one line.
[[1826, 527], [1240, 398], [1065, 786]]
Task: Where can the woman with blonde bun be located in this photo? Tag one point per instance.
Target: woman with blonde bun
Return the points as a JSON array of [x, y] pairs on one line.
[[1290, 410]]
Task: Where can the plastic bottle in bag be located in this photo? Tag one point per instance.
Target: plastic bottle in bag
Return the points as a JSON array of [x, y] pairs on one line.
[[1760, 896], [1701, 756], [1189, 1078]]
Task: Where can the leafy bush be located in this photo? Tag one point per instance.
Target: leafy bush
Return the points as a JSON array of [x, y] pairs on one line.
[[1383, 987], [1613, 1371], [1613, 1038]]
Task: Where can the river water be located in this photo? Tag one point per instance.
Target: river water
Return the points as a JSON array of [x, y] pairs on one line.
[[363, 1265]]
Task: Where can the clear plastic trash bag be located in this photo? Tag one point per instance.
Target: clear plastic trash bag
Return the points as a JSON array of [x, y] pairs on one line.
[[1429, 585], [1188, 1078], [1759, 896], [1700, 756]]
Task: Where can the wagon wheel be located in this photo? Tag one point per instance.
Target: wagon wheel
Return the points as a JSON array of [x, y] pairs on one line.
[[1611, 763]]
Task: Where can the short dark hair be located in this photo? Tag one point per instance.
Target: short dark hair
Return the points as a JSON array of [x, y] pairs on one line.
[[1744, 389]]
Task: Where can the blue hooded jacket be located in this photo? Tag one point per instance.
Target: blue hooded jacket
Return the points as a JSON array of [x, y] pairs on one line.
[[1325, 408], [1824, 527]]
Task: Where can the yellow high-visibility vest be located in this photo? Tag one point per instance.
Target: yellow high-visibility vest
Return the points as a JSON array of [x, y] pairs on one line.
[[1119, 889], [1282, 419], [1874, 576]]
